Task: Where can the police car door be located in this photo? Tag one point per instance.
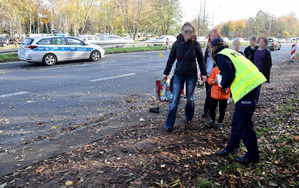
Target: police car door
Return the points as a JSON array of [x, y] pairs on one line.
[[76, 48], [60, 48]]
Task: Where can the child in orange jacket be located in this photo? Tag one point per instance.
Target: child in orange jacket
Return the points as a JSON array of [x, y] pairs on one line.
[[218, 96]]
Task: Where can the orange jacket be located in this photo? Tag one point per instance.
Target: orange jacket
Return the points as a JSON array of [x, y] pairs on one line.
[[216, 91]]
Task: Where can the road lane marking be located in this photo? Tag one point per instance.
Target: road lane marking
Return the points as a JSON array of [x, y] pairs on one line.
[[113, 77], [14, 94]]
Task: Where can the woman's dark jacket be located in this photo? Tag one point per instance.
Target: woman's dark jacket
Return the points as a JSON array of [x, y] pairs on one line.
[[186, 54]]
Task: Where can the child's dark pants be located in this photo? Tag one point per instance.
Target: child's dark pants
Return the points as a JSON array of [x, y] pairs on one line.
[[222, 108]]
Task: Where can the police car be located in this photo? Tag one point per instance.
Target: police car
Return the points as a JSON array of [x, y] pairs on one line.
[[50, 50]]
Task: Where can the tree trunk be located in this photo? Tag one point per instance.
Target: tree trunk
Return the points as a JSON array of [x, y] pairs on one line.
[[30, 24]]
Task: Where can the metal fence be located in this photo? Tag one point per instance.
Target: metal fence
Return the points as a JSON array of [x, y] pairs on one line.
[[106, 45]]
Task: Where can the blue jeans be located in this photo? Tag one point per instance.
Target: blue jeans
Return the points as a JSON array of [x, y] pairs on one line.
[[178, 85]]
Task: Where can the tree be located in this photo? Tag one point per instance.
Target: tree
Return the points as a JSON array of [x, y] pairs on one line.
[[201, 22], [165, 14], [262, 24]]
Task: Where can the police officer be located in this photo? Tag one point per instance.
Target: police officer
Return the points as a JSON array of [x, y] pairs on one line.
[[243, 78]]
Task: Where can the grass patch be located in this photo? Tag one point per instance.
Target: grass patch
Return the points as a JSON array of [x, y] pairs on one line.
[[262, 131], [204, 183], [134, 49], [8, 57], [231, 168], [290, 106]]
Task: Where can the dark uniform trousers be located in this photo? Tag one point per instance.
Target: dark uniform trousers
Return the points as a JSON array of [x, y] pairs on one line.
[[242, 126]]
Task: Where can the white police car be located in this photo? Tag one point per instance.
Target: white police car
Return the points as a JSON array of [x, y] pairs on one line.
[[50, 50]]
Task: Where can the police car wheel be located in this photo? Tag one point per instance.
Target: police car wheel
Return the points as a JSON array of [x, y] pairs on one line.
[[49, 59], [95, 56]]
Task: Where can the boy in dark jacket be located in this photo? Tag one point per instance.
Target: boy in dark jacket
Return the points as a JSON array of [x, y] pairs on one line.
[[249, 51], [263, 60]]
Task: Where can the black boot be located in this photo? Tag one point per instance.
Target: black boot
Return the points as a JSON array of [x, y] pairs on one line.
[[211, 124], [169, 130], [224, 152], [245, 160]]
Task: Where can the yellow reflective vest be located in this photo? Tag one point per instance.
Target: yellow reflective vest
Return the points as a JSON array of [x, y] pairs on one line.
[[247, 76]]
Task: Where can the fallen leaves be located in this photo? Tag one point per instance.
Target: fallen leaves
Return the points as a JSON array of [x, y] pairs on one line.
[[296, 138], [40, 170], [273, 184], [54, 127], [4, 121], [69, 183]]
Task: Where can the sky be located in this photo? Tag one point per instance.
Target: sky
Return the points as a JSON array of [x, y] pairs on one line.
[[224, 10]]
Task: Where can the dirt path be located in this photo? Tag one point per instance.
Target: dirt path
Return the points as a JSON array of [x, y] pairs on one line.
[[142, 155]]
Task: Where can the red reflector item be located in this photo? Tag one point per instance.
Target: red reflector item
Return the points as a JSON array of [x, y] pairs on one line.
[[32, 46]]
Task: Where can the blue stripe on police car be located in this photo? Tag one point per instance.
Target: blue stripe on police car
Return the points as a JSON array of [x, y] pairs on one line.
[[62, 49]]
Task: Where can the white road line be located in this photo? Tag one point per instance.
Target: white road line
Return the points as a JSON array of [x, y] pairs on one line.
[[113, 77], [14, 94]]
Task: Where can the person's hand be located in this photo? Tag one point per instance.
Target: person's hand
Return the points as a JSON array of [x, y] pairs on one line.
[[165, 77], [204, 78]]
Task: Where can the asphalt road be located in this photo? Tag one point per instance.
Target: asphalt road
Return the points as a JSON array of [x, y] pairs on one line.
[[36, 100]]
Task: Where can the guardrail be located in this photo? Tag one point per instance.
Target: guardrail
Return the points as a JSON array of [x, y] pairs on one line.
[[115, 45], [106, 45], [7, 51]]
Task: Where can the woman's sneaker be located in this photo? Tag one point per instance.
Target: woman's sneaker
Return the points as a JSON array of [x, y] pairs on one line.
[[187, 124], [220, 125], [211, 124]]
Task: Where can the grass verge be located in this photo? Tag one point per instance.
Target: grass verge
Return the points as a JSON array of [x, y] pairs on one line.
[[13, 56], [8, 57], [134, 49]]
